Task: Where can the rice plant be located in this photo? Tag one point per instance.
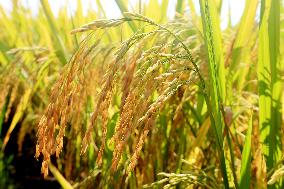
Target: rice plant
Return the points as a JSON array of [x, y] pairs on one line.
[[144, 101]]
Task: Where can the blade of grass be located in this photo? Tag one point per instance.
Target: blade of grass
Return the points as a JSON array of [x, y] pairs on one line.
[[201, 133], [58, 46], [269, 81], [246, 159], [123, 8], [217, 41], [148, 11], [213, 44], [194, 16], [241, 49], [18, 115], [219, 4], [164, 10], [101, 9], [244, 30], [180, 6], [58, 176]]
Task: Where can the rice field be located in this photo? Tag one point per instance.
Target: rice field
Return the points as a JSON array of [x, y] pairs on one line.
[[144, 100]]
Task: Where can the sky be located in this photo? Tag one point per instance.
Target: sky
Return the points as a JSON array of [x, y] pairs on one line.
[[112, 11]]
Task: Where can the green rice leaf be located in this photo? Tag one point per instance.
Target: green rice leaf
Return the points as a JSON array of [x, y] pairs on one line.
[[214, 54], [246, 159], [58, 46], [270, 87]]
